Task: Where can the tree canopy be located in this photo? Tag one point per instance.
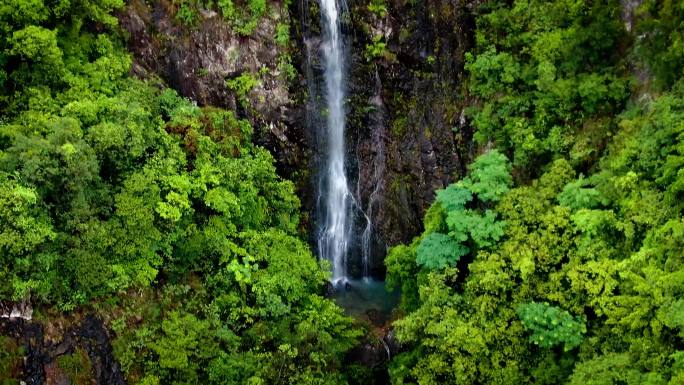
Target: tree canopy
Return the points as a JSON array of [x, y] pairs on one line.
[[573, 272], [556, 259], [117, 196]]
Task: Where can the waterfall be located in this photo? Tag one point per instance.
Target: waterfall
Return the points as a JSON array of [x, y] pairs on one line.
[[334, 236]]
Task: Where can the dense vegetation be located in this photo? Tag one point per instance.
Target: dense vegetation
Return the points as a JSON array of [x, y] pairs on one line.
[[558, 258], [575, 275], [120, 197]]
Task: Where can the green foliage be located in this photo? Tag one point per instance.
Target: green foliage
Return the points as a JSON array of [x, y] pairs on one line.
[[612, 368], [543, 71], [659, 24], [489, 179], [484, 230], [11, 356], [243, 18], [377, 48], [77, 366], [184, 342], [282, 38], [401, 273], [454, 197], [490, 176], [187, 14], [605, 248], [38, 45], [282, 34], [122, 198], [227, 8], [580, 195], [242, 85], [550, 326], [452, 230], [25, 231], [285, 67], [378, 8], [437, 251]]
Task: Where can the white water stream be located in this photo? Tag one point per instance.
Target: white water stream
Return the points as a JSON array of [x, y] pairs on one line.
[[334, 238]]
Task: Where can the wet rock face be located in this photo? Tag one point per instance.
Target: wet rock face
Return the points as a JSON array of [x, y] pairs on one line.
[[199, 60], [426, 143], [407, 134], [41, 353], [374, 353], [16, 310]]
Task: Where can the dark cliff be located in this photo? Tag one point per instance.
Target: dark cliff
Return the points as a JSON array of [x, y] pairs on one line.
[[63, 351], [407, 109]]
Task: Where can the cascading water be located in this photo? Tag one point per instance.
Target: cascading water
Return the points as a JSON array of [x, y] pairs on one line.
[[334, 237], [345, 232]]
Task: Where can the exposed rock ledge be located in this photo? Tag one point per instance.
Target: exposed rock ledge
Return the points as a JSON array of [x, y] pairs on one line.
[[16, 310]]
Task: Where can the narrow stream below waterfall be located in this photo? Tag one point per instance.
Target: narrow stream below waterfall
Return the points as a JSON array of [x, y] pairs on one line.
[[367, 298]]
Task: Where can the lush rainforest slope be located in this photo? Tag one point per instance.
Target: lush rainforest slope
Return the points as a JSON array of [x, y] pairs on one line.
[[558, 258], [121, 198]]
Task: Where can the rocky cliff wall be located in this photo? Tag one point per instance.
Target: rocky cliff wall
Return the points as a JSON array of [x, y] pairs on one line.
[[209, 61], [418, 78], [63, 351], [406, 132]]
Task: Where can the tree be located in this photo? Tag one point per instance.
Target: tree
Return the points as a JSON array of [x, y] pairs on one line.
[[25, 231], [437, 251], [550, 326], [541, 79], [489, 177]]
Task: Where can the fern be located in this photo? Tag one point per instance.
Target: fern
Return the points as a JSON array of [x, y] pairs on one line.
[[490, 176], [551, 326], [465, 226], [454, 197], [485, 230], [437, 251]]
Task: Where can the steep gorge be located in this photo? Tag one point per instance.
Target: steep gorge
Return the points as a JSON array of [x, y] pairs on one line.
[[150, 230], [406, 133]]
